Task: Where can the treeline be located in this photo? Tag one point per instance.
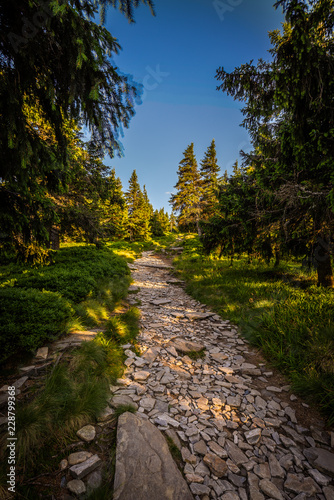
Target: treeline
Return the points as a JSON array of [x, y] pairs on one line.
[[90, 207], [281, 200]]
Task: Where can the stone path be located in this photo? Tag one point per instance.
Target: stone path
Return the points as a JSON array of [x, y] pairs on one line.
[[237, 441]]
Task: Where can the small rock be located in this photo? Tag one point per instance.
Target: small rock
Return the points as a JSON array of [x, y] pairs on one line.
[[307, 485], [329, 492], [215, 464], [186, 345], [270, 489], [141, 376], [106, 414], [63, 464], [291, 414], [230, 495], [76, 486], [87, 433], [122, 400], [194, 478], [200, 447], [42, 352], [253, 436], [318, 477], [199, 489], [275, 468], [78, 457], [94, 480], [322, 459]]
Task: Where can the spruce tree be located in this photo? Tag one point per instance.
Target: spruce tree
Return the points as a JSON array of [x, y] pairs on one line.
[[186, 201], [209, 173], [138, 210]]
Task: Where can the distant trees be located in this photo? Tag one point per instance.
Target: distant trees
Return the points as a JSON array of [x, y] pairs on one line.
[[196, 189], [139, 210]]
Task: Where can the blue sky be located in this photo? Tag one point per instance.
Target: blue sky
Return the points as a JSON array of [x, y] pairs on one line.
[[175, 56]]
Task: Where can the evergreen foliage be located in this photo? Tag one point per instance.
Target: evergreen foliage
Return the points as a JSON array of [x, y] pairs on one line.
[[186, 201], [209, 174], [289, 114], [54, 67], [139, 210]]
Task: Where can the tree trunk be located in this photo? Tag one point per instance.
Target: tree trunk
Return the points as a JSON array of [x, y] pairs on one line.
[[199, 232], [325, 273], [54, 238], [322, 256], [277, 258]]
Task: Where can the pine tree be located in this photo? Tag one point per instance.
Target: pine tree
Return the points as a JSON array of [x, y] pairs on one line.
[[115, 209], [138, 210], [187, 199], [159, 223], [209, 173]]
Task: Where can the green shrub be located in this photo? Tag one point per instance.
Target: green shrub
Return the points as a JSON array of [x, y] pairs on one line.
[[29, 318], [74, 285]]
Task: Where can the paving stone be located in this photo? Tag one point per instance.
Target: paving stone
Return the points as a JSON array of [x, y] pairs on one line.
[[235, 454], [276, 470], [253, 436], [200, 447], [186, 345], [122, 400], [268, 488], [329, 492], [306, 485], [215, 464], [141, 376], [82, 469], [144, 466], [322, 459]]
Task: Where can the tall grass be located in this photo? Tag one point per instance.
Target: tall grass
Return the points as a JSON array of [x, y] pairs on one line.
[[279, 310]]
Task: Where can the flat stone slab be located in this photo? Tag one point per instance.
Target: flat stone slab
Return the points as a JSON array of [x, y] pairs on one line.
[[155, 266], [186, 345], [145, 469], [194, 316], [160, 302], [82, 469], [122, 400], [322, 459], [175, 282]]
